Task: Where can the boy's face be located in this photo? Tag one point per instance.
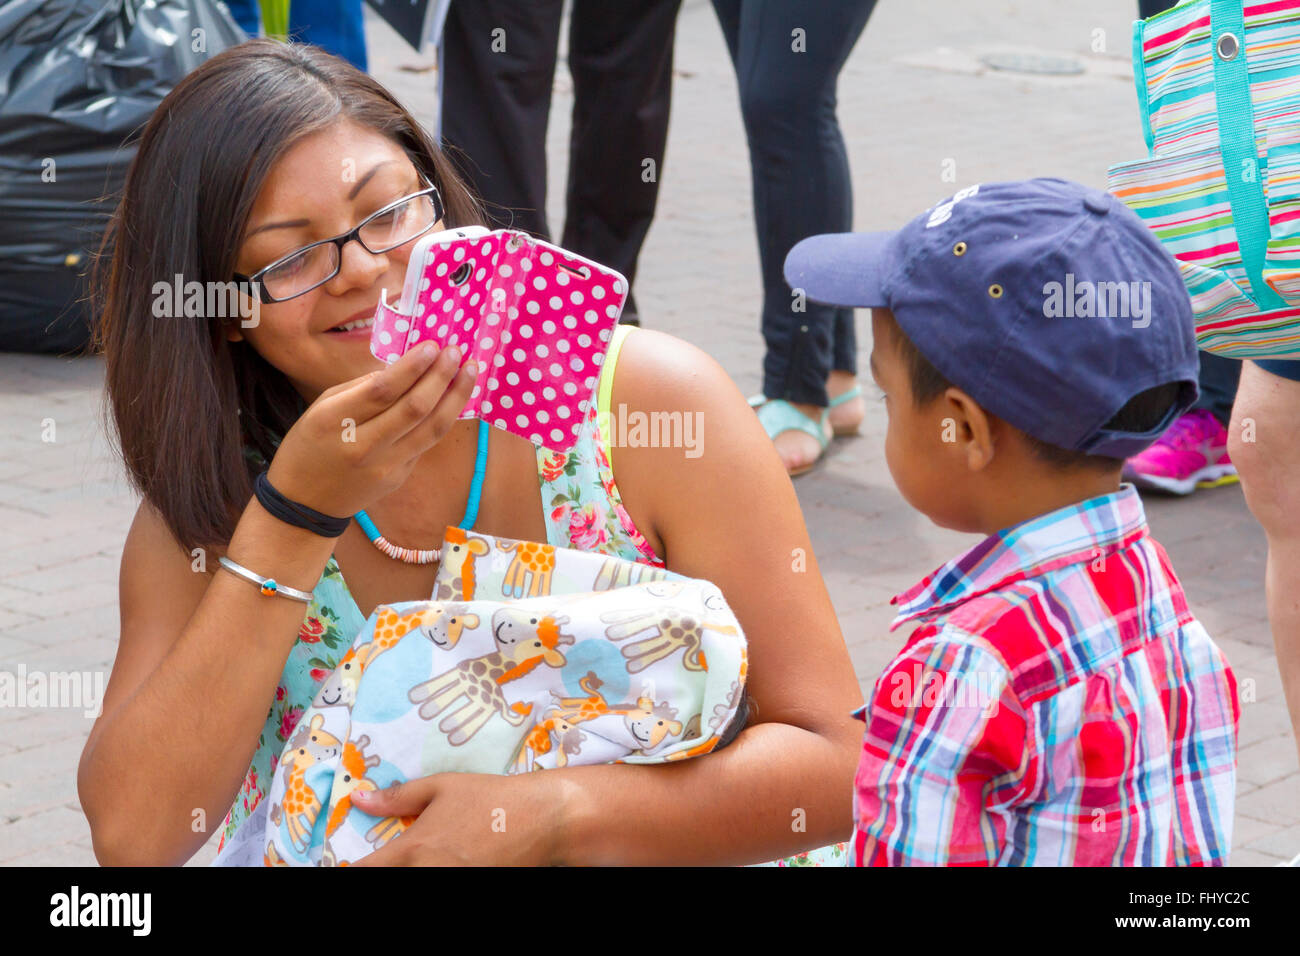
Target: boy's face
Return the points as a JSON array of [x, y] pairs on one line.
[[921, 447]]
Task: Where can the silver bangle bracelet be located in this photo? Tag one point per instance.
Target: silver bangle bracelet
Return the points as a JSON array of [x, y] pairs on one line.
[[268, 586]]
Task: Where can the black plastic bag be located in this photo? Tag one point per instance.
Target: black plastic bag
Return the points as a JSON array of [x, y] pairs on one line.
[[78, 81]]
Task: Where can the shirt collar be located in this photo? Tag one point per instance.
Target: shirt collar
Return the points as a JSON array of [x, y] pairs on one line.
[[1076, 533]]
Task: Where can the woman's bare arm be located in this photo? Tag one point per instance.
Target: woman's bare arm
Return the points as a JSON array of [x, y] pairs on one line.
[[200, 654], [198, 659]]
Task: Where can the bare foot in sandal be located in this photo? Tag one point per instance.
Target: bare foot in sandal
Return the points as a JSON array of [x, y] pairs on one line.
[[799, 450], [846, 417], [795, 427]]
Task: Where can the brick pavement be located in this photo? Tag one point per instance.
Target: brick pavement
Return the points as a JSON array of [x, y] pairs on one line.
[[913, 101]]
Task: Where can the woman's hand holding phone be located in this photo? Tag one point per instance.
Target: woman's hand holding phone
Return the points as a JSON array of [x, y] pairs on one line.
[[535, 318], [360, 440]]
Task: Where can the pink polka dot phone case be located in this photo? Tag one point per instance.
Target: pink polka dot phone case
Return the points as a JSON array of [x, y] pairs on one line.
[[536, 318]]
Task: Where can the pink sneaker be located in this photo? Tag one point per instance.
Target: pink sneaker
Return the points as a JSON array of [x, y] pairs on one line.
[[1192, 454]]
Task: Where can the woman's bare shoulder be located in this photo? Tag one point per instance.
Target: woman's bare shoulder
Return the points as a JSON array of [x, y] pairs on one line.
[[680, 429], [660, 374], [657, 370]]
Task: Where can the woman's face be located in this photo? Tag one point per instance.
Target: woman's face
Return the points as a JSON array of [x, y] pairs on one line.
[[325, 185]]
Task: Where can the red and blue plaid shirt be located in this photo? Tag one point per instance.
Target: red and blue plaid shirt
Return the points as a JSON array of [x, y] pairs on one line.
[[1058, 705]]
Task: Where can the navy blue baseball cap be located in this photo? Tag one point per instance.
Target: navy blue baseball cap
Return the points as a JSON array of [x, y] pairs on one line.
[[1051, 304]]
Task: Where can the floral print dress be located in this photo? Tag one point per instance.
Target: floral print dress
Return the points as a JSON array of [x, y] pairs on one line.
[[584, 510]]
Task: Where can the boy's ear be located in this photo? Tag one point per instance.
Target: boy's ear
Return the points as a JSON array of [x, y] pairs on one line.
[[971, 428]]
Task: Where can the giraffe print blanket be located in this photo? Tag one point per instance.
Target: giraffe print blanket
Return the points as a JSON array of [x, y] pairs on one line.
[[530, 657]]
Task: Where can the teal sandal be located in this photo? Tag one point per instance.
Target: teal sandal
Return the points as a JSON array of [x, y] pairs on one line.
[[777, 415]]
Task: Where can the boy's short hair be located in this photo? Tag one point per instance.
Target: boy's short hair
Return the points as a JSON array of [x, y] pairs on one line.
[[1142, 412]]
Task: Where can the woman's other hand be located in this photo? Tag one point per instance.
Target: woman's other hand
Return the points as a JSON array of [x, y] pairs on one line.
[[467, 819]]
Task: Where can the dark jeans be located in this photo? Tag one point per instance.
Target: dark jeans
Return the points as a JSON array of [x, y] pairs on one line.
[[495, 106], [246, 15], [1283, 368], [1218, 380], [1149, 8], [800, 171], [335, 26]]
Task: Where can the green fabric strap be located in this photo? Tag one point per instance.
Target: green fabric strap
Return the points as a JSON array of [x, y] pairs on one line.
[[1238, 149], [275, 18]]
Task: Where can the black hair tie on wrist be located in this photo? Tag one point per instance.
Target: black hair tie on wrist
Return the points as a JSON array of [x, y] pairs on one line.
[[300, 516]]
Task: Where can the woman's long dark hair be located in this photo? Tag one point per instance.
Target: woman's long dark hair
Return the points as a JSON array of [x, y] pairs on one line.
[[193, 412]]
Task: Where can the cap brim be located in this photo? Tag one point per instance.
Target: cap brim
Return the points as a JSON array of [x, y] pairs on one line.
[[841, 268]]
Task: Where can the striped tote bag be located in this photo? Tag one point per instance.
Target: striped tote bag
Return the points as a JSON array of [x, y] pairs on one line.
[[1218, 86]]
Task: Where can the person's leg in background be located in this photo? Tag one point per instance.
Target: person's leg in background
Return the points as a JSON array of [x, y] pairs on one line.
[[496, 101], [787, 57], [246, 14], [1149, 8], [1261, 440], [621, 58], [1219, 377], [1193, 452], [335, 26]]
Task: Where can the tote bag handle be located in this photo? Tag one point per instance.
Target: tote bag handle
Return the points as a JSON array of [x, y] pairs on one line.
[[1237, 145]]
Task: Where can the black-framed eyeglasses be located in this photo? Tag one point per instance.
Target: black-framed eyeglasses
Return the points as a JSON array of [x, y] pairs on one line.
[[304, 269]]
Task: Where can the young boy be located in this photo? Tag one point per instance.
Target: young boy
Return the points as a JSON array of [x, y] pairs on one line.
[[1058, 704]]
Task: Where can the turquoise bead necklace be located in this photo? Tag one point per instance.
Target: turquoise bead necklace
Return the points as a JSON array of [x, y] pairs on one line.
[[419, 556]]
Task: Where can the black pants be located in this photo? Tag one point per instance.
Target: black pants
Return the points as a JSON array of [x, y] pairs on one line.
[[788, 55], [496, 103], [1149, 8]]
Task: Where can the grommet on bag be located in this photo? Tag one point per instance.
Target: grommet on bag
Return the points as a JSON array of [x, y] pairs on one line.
[[995, 291], [1227, 46], [959, 249]]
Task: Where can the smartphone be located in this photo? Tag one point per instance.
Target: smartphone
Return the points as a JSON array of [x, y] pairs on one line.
[[536, 318]]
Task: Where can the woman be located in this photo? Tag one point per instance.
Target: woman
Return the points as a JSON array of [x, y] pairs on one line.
[[788, 55], [259, 152]]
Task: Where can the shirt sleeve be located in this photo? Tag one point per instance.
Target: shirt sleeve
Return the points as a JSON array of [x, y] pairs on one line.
[[1205, 763], [944, 755]]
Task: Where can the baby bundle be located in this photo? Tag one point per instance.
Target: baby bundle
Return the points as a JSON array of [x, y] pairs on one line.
[[531, 657]]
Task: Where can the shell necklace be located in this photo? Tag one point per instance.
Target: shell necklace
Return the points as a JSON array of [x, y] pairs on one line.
[[419, 555]]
